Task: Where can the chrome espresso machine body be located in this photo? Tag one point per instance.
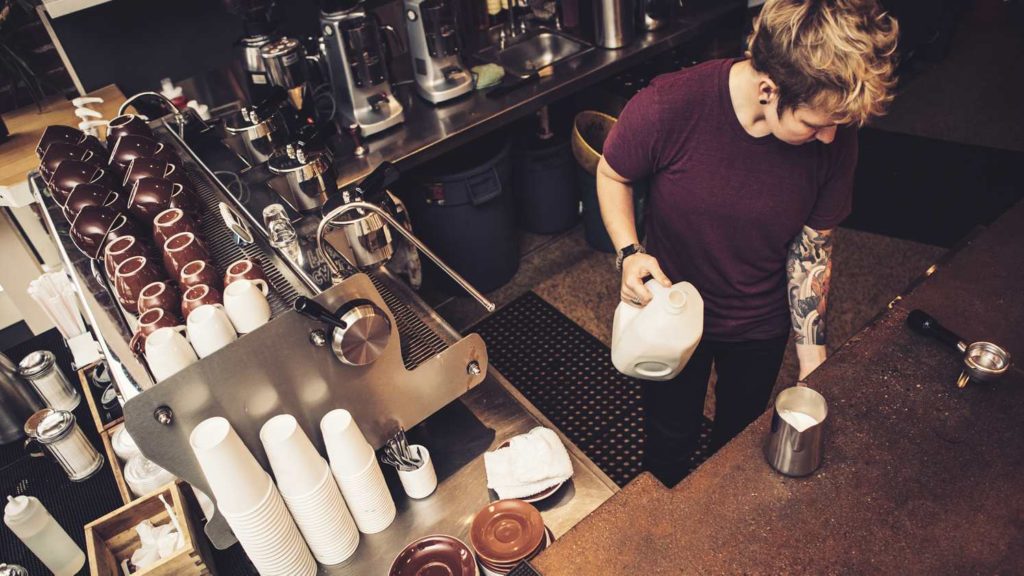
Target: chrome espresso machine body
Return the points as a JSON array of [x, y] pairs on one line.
[[293, 364], [434, 44], [353, 49]]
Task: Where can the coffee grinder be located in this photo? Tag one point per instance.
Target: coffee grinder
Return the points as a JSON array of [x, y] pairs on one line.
[[259, 21], [434, 44], [288, 67], [354, 51]]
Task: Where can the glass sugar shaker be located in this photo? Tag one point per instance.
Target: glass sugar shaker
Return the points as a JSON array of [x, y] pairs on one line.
[[59, 434], [41, 370]]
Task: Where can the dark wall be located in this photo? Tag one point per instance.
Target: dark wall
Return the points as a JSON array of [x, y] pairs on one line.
[[135, 43]]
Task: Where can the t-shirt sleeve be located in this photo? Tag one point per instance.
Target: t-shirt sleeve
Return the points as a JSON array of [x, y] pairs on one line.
[[631, 148], [835, 195]]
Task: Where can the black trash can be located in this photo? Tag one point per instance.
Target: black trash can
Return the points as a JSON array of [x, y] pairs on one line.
[[546, 189], [462, 208]]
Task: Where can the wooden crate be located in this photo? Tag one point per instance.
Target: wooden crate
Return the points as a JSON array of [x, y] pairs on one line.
[[105, 433], [112, 538]]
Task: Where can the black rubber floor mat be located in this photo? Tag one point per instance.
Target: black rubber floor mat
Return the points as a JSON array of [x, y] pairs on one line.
[[72, 504], [567, 373]]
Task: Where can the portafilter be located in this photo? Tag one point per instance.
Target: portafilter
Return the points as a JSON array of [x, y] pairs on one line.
[[307, 166], [983, 361], [261, 128]]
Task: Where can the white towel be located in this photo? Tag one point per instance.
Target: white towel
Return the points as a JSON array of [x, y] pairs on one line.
[[531, 463]]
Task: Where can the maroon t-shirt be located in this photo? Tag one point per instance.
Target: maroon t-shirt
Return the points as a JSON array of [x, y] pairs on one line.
[[724, 206]]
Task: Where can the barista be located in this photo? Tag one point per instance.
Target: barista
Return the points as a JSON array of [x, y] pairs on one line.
[[751, 165]]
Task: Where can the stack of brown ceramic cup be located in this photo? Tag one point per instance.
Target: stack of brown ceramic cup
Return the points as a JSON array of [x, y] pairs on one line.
[[506, 533]]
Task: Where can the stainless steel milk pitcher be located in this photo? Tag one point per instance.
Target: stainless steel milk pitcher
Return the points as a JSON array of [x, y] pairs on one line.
[[794, 445]]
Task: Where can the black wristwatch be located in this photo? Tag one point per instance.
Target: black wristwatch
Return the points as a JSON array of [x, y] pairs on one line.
[[627, 252]]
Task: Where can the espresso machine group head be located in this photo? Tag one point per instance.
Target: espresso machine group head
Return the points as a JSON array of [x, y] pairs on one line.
[[354, 52], [434, 43]]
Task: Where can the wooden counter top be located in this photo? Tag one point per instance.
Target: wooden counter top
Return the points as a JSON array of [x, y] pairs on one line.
[[919, 476], [18, 153]]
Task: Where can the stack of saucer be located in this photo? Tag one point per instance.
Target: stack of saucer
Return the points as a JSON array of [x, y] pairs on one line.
[[507, 532], [438, 554], [357, 472], [309, 491], [250, 502]]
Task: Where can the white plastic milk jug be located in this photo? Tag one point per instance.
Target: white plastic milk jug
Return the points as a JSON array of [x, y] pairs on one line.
[[655, 342]]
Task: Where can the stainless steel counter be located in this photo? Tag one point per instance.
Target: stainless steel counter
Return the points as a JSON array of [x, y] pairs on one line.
[[481, 420], [430, 131]]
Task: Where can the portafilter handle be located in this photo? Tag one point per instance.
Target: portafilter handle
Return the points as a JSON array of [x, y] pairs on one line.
[[923, 323]]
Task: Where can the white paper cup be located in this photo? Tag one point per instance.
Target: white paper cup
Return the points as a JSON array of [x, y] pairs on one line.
[[368, 499], [236, 479], [421, 482], [274, 545], [298, 467], [209, 329], [347, 448], [325, 522]]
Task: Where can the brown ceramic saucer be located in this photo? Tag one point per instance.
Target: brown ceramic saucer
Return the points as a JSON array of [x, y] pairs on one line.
[[506, 531], [438, 555], [507, 567], [543, 494]]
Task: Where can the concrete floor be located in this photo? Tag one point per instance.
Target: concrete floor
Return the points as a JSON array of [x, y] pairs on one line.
[[869, 271]]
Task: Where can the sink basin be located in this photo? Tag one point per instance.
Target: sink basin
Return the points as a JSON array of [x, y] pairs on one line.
[[534, 51]]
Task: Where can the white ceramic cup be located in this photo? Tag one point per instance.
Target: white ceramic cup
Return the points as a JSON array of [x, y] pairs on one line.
[[209, 329], [347, 448], [236, 479], [421, 482], [167, 352], [246, 304]]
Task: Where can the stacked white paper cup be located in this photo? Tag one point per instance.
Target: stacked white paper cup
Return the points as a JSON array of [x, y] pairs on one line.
[[358, 473], [250, 502], [309, 490]]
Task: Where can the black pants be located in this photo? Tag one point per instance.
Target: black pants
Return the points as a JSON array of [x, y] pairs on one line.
[[674, 409]]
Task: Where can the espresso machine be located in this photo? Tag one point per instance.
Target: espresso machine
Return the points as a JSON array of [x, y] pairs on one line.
[[434, 44], [287, 67], [353, 49]]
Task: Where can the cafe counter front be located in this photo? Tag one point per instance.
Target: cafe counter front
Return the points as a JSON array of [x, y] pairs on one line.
[[919, 476]]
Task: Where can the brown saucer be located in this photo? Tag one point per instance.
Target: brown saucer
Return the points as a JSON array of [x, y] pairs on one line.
[[507, 531], [549, 538], [438, 555]]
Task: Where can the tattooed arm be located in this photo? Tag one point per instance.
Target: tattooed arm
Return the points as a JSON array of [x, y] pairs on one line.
[[809, 269]]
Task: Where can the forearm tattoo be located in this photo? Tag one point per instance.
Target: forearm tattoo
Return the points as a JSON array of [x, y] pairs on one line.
[[809, 268]]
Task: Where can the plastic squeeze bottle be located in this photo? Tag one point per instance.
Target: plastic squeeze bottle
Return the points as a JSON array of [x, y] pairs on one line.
[[655, 342], [32, 524]]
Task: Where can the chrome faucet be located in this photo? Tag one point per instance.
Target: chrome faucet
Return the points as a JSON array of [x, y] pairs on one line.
[[514, 27]]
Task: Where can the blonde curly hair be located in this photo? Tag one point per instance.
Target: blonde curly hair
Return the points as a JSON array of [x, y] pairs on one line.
[[836, 56]]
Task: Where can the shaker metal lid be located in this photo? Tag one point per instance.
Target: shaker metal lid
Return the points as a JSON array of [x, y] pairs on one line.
[[279, 47], [12, 570], [48, 425], [36, 362]]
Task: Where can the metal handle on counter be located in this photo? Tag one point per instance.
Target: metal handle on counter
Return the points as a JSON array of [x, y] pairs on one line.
[[335, 271], [923, 323]]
